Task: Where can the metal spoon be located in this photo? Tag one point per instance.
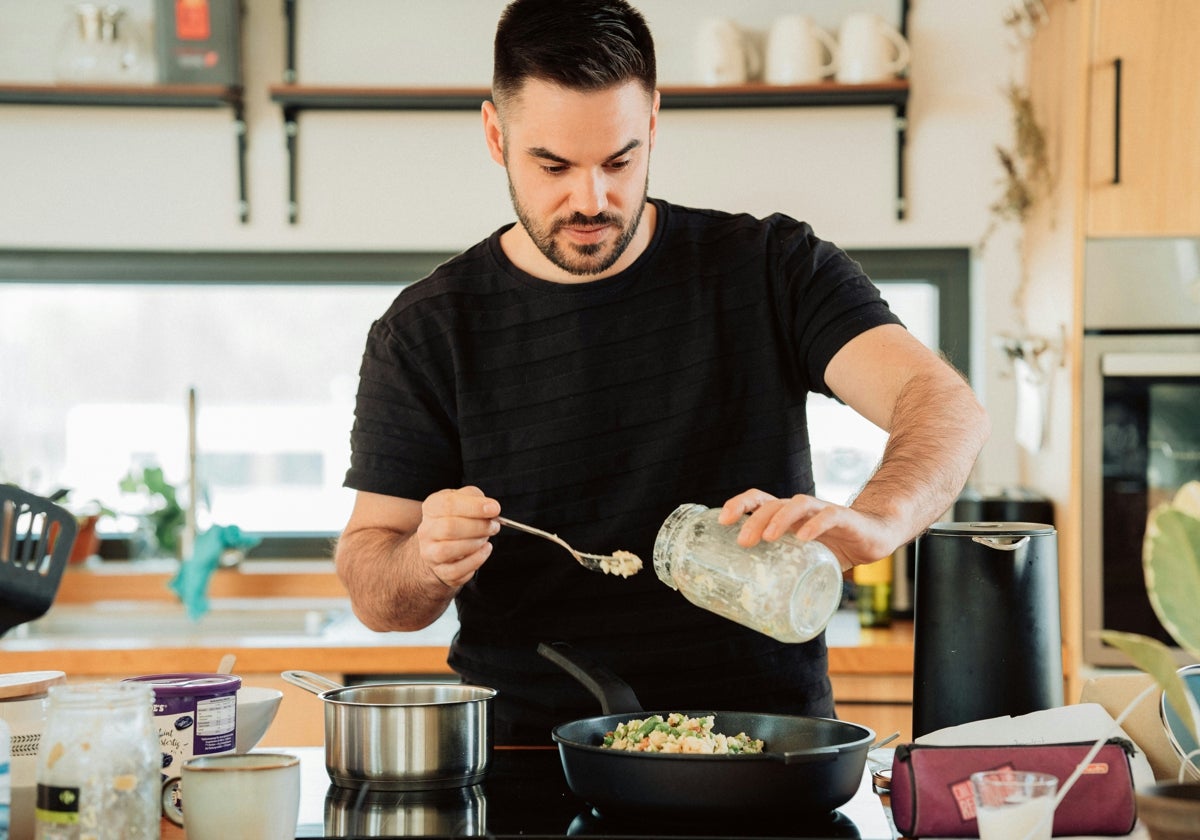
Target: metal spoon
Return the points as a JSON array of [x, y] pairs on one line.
[[622, 563]]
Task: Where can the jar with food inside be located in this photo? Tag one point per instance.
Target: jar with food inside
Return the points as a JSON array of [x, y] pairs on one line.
[[97, 770], [785, 588]]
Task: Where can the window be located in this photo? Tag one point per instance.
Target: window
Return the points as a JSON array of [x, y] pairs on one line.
[[100, 350]]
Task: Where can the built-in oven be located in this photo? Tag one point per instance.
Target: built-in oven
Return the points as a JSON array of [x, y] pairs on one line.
[[1140, 420]]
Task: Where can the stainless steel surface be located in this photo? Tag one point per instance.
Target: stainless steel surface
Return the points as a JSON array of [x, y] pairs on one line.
[[604, 563], [459, 812], [1142, 284], [403, 736], [1133, 356], [227, 618]]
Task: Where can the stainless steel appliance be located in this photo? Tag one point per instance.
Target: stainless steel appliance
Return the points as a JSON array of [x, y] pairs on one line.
[[1140, 416]]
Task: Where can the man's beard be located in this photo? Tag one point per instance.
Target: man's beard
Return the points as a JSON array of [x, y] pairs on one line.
[[580, 260]]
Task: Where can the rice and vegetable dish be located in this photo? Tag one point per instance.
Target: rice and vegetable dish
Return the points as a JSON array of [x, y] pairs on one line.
[[679, 734]]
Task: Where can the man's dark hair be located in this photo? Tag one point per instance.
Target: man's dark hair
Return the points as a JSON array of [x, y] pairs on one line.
[[585, 45]]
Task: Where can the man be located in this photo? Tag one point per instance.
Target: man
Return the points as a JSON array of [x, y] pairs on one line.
[[602, 361]]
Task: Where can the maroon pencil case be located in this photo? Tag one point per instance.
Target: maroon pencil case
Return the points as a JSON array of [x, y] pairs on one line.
[[931, 786]]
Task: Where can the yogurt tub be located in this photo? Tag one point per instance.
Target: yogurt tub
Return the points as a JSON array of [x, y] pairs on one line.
[[195, 714]]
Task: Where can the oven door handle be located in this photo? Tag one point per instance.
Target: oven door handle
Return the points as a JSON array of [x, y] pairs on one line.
[[1150, 364]]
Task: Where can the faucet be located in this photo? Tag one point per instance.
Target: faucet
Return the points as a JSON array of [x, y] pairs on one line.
[[188, 538]]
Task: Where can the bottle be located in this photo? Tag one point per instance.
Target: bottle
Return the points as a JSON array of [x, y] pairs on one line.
[[786, 588], [98, 764], [873, 582]]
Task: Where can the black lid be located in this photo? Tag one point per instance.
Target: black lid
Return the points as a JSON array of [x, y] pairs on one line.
[[991, 529]]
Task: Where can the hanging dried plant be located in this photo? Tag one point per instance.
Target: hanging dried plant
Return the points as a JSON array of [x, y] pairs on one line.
[[1026, 166]]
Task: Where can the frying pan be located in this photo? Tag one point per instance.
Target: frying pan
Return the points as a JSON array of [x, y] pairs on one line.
[[810, 764]]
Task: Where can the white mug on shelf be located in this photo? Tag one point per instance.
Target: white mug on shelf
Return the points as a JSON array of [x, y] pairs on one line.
[[799, 51], [725, 54], [870, 49]]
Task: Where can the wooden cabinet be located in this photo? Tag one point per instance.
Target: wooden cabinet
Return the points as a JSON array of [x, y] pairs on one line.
[[1144, 120]]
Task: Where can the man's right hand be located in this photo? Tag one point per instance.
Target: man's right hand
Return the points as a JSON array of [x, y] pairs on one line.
[[454, 534]]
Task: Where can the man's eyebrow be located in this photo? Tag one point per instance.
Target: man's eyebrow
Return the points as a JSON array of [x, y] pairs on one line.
[[545, 154]]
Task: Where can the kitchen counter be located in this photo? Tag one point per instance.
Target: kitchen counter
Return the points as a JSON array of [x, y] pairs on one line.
[[871, 669], [525, 794], [343, 646]]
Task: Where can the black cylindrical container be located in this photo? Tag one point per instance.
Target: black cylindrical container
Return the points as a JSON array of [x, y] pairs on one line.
[[987, 639]]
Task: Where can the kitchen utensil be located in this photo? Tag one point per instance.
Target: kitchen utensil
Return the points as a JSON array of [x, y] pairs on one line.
[[869, 49], [403, 736], [256, 708], [810, 764], [986, 634], [621, 563], [36, 536], [227, 663]]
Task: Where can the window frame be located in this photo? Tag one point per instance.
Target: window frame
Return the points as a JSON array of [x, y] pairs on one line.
[[948, 269]]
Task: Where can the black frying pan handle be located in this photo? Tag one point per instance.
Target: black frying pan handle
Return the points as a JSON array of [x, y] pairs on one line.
[[615, 696], [812, 755]]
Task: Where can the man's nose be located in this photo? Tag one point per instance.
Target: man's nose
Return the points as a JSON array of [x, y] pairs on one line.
[[590, 196]]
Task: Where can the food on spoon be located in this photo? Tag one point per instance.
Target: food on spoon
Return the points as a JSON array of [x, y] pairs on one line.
[[679, 734], [623, 563]]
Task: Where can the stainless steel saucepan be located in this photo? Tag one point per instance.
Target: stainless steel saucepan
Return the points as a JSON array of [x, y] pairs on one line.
[[403, 736]]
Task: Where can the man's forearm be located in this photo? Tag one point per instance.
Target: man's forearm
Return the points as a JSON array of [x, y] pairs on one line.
[[381, 572], [937, 430]]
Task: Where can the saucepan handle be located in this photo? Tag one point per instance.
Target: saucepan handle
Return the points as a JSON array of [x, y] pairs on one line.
[[310, 681], [615, 695]]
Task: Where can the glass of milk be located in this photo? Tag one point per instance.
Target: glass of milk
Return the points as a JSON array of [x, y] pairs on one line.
[[1014, 804]]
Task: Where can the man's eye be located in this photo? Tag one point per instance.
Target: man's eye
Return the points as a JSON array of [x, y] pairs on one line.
[[553, 169], [619, 164]]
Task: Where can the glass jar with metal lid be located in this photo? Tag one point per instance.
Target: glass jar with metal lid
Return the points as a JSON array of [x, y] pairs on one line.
[[97, 770]]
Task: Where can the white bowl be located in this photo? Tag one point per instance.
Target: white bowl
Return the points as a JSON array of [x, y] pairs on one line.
[[256, 708]]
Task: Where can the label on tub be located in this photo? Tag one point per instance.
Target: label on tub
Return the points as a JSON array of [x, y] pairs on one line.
[[189, 726], [195, 714]]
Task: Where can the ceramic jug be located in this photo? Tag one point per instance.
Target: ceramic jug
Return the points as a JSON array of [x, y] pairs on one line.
[[870, 49], [799, 51], [725, 54]]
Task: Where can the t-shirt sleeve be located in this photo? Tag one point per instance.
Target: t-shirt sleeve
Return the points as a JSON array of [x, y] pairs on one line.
[[403, 442], [828, 298]]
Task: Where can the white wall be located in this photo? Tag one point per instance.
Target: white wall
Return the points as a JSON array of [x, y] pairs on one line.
[[165, 178]]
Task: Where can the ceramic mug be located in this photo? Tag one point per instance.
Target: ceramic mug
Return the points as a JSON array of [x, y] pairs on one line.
[[248, 795], [725, 54], [799, 51], [870, 49]]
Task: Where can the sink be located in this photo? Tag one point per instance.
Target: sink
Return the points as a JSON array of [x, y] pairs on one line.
[[227, 618]]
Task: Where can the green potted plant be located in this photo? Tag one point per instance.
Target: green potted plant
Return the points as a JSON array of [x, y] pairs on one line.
[[1171, 561], [163, 515]]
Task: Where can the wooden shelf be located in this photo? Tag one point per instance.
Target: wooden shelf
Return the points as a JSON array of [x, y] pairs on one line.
[[294, 99], [893, 94], [143, 96]]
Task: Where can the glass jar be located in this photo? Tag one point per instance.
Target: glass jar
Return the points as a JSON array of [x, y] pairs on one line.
[[97, 773], [786, 588], [100, 44]]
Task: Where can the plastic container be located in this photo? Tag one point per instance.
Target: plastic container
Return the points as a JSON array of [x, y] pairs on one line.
[[24, 704], [97, 771], [786, 588], [195, 714]]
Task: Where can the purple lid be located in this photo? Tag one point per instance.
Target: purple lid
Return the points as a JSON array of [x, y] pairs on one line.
[[180, 685]]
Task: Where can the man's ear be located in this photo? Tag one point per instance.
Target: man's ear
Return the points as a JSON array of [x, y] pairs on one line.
[[654, 119], [493, 133]]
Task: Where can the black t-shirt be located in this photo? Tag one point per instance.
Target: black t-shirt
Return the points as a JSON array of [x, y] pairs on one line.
[[593, 410]]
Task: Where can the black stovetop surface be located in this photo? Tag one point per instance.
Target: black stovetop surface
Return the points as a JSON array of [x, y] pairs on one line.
[[525, 795]]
